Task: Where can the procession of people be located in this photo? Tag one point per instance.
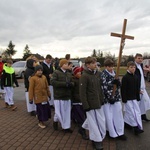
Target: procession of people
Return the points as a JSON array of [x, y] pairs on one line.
[[83, 95]]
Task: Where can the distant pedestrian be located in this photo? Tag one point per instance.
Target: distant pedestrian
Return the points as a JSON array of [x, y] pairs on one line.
[[8, 79], [70, 67], [29, 72], [56, 63], [39, 93], [144, 103], [62, 83], [68, 57], [112, 102], [130, 93], [77, 111], [92, 99]]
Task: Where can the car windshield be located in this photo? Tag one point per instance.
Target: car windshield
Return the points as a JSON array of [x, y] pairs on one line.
[[19, 64]]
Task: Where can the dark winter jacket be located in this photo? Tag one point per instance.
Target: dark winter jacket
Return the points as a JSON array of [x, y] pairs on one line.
[[75, 91], [47, 71], [28, 72], [129, 88], [107, 87], [8, 77], [62, 84], [90, 90]]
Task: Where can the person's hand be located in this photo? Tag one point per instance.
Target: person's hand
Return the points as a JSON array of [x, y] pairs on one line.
[[112, 101], [50, 75], [67, 84], [71, 84], [116, 82], [31, 101], [88, 109], [141, 92]]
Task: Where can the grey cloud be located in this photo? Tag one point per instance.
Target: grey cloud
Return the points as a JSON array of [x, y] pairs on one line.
[[43, 22]]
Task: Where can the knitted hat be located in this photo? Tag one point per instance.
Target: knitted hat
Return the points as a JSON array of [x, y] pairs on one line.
[[38, 67], [62, 62], [77, 69]]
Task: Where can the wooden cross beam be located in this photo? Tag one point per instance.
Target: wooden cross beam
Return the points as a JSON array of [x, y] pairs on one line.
[[122, 43]]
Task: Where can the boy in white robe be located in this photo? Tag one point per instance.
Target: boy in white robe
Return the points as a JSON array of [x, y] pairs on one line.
[[62, 82], [145, 100], [130, 93], [112, 103], [92, 99]]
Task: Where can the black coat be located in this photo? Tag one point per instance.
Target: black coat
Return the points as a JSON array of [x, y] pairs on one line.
[[75, 97], [8, 79], [47, 71], [130, 87], [28, 72], [90, 90]]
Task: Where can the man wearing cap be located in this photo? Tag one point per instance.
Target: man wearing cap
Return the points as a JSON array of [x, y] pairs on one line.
[[62, 84], [7, 82]]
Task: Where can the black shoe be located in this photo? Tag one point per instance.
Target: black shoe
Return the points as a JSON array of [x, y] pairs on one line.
[[68, 131], [52, 107], [122, 137], [127, 126], [55, 125], [33, 113], [137, 131], [107, 133], [83, 133], [97, 145], [144, 118]]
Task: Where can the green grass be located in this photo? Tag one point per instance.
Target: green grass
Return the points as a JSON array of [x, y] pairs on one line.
[[122, 70]]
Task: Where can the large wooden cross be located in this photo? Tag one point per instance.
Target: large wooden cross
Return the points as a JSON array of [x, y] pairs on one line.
[[122, 43]]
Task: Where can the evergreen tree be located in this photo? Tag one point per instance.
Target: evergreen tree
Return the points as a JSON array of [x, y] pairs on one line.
[[10, 50], [26, 52], [94, 54], [100, 54]]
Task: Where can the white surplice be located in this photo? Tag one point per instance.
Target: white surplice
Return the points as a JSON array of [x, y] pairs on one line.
[[95, 123]]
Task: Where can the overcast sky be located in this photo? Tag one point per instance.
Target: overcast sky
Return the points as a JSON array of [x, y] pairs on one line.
[[77, 27]]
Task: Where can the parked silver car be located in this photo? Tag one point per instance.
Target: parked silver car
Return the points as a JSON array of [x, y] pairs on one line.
[[19, 67]]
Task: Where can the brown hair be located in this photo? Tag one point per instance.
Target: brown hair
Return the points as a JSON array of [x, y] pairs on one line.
[[9, 61], [138, 55], [90, 59], [48, 57], [130, 63], [108, 62], [67, 56]]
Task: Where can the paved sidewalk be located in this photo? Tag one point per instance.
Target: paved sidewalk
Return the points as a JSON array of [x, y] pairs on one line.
[[19, 131]]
